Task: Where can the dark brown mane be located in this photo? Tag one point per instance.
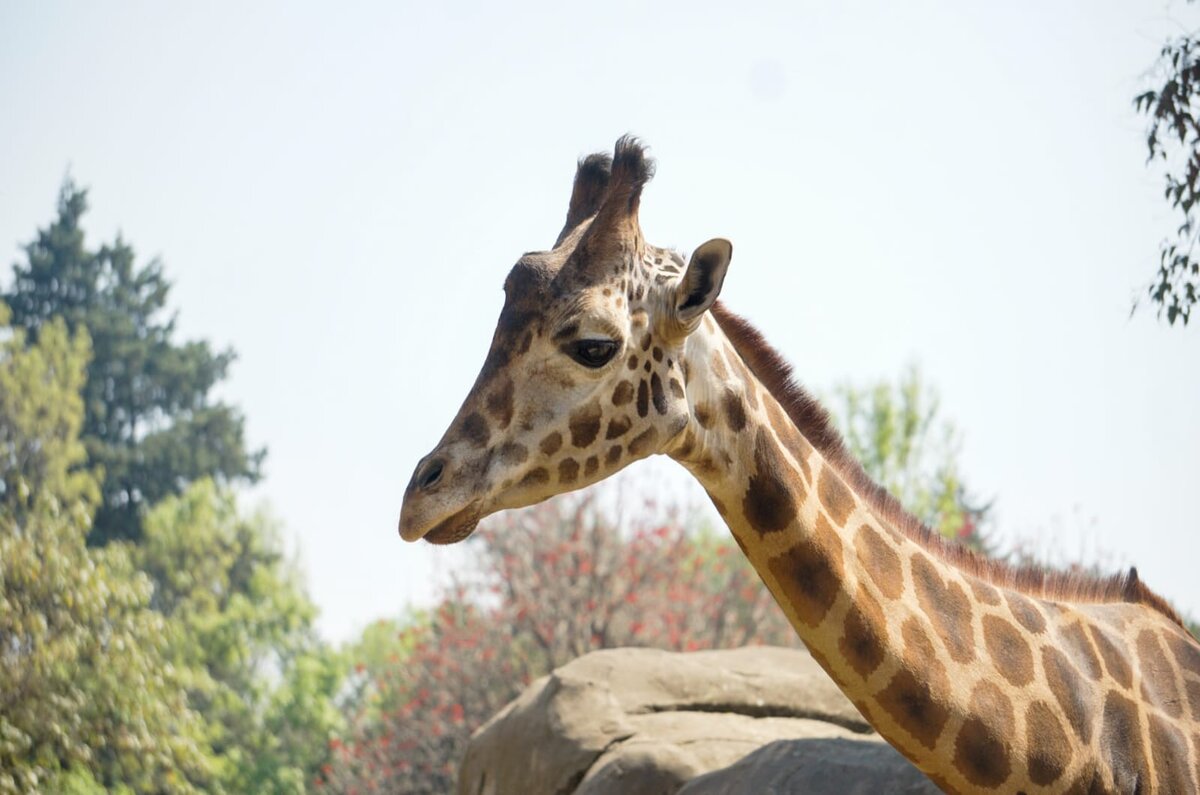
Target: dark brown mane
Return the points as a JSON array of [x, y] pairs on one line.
[[814, 423]]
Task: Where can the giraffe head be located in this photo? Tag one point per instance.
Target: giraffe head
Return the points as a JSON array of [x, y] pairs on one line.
[[585, 373]]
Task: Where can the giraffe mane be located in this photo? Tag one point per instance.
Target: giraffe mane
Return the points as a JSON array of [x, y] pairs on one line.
[[814, 423]]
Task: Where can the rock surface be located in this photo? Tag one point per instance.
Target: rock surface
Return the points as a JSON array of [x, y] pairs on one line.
[[643, 722]]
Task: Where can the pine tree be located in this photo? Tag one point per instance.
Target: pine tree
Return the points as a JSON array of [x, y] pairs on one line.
[[150, 424]]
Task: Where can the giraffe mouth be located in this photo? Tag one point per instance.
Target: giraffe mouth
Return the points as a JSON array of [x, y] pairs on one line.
[[455, 528]]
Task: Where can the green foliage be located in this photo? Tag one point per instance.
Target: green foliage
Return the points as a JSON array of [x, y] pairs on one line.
[[149, 423], [235, 612], [1173, 140], [85, 699], [895, 431]]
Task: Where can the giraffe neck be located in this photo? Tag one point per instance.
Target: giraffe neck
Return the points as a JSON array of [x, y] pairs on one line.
[[961, 676]]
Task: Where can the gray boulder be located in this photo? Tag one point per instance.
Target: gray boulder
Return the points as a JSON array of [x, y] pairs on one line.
[[643, 721]]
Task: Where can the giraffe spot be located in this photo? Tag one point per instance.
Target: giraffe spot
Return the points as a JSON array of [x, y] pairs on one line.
[[1170, 756], [1009, 651], [646, 366], [981, 749], [591, 465], [718, 366], [910, 703], [646, 342], [947, 607], [735, 412], [618, 426], [656, 394], [1049, 749], [526, 341], [835, 497], [475, 429], [1075, 697], [1114, 659], [1080, 648], [622, 394], [535, 477], [585, 425], [550, 444], [1193, 697], [1026, 612], [880, 561], [657, 354], [1186, 653], [499, 404], [1157, 675], [641, 444], [643, 399], [810, 575], [861, 644], [675, 388], [568, 470], [513, 452], [613, 455], [703, 415], [984, 592], [791, 438], [632, 362], [768, 503], [1121, 738]]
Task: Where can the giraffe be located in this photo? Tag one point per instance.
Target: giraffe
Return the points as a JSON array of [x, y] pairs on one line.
[[987, 677]]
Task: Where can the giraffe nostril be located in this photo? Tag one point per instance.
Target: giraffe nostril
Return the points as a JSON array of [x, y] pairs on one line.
[[430, 474]]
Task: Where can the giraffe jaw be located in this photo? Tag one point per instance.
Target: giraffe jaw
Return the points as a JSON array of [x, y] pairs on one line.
[[450, 530]]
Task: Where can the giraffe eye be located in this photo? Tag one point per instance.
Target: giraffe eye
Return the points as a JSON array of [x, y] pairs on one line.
[[592, 353]]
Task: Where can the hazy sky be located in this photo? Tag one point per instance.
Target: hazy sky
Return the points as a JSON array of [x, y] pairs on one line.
[[339, 190]]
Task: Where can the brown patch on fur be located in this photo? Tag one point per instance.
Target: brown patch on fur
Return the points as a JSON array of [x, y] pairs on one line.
[[675, 388], [815, 425], [643, 399], [1158, 677], [1049, 750], [769, 504], [475, 429], [500, 404], [585, 425], [984, 592], [836, 499], [1076, 642], [860, 643], [656, 394], [1074, 695], [1170, 757], [618, 426], [591, 465], [1121, 738], [536, 477], [642, 443], [735, 412], [882, 563], [909, 701], [513, 453], [622, 394], [1026, 612], [810, 575], [981, 750], [613, 455], [947, 606], [703, 415], [568, 471], [1114, 660], [550, 444], [1009, 651]]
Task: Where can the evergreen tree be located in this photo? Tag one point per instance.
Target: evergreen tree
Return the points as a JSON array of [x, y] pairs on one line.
[[150, 423]]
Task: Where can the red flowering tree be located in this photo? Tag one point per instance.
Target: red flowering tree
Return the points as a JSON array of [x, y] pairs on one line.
[[547, 584]]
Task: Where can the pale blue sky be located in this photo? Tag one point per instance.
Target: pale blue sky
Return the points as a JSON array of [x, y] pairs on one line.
[[338, 191]]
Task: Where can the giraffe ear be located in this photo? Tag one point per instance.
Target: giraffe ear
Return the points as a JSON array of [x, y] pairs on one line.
[[591, 183], [701, 283]]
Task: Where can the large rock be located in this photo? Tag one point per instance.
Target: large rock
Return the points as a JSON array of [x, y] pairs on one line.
[[643, 721]]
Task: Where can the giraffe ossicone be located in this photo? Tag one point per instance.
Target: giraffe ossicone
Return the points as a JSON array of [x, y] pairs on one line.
[[989, 678]]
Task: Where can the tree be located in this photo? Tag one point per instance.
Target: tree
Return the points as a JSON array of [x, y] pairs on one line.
[[1174, 141], [240, 624], [150, 423], [87, 701], [895, 431], [547, 584]]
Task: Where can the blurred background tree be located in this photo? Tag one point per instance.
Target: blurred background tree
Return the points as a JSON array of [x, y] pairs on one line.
[[150, 423], [1173, 140], [895, 431]]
